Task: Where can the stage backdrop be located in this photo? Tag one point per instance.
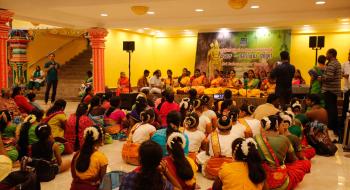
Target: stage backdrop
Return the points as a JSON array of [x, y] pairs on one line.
[[258, 50]]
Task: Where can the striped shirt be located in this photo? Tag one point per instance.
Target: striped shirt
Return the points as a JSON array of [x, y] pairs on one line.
[[332, 77]]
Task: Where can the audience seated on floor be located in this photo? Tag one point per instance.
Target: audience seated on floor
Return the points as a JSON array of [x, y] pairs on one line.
[[32, 100], [315, 111], [284, 170], [89, 93], [219, 148], [173, 120], [89, 165], [114, 117], [46, 149], [204, 123], [21, 101], [76, 124], [9, 104], [207, 110], [182, 168], [168, 106], [7, 131], [96, 111], [56, 118], [269, 108], [138, 134], [152, 173], [197, 138], [245, 172], [253, 126]]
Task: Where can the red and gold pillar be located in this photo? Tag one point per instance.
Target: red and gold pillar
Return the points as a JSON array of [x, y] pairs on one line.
[[5, 18], [97, 41]]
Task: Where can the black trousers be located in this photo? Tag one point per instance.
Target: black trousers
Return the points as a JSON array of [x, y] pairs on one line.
[[50, 83], [332, 111]]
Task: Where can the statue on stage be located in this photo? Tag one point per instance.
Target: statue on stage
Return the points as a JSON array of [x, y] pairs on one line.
[[214, 58]]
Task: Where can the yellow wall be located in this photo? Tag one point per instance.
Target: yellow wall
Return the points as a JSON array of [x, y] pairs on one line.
[[304, 58], [150, 53], [44, 43]]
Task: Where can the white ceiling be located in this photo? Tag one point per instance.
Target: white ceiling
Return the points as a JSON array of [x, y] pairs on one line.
[[176, 15]]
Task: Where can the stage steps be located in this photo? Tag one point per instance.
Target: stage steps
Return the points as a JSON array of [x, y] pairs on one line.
[[71, 76]]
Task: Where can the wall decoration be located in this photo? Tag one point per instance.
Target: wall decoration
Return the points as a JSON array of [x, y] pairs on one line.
[[241, 51]]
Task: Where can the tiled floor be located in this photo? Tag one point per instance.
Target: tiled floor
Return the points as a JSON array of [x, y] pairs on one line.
[[327, 173]]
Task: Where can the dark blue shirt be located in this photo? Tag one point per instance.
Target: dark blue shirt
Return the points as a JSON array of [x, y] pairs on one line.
[[283, 74]]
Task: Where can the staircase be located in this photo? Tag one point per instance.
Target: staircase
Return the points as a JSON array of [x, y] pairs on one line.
[[70, 77]]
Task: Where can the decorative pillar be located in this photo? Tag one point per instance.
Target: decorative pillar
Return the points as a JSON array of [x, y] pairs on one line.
[[18, 42], [97, 41], [5, 18]]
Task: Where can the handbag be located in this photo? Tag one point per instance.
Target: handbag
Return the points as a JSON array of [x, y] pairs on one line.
[[130, 150], [317, 136], [276, 175]]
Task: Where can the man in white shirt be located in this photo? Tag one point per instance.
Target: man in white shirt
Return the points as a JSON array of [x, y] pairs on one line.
[[156, 82], [346, 90]]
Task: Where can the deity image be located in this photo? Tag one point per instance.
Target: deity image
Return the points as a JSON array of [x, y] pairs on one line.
[[214, 58]]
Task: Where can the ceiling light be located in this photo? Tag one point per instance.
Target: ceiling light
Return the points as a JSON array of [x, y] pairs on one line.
[[320, 2], [125, 29], [345, 20], [254, 6], [199, 10], [306, 25], [104, 14], [262, 31], [345, 23], [150, 12], [140, 31], [146, 28]]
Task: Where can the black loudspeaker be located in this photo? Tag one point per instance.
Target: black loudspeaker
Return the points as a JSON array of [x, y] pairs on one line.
[[320, 41], [129, 46], [312, 41], [127, 100]]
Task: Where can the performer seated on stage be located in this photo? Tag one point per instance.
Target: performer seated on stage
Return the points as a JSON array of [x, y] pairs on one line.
[[219, 148], [280, 162], [195, 136], [233, 81], [143, 83], [253, 82], [169, 81], [217, 81], [184, 79], [268, 85], [139, 133], [197, 79], [245, 172], [156, 83], [123, 84]]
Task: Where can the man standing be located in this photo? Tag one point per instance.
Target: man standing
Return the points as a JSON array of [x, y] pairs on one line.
[[346, 74], [51, 68], [283, 74], [331, 89]]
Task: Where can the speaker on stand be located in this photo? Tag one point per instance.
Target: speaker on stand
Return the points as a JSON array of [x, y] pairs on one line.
[[129, 46], [316, 43]]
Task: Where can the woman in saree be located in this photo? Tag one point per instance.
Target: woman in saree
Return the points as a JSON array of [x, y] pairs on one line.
[[173, 120], [316, 72], [123, 84], [233, 81], [114, 117], [197, 81], [96, 111], [181, 167], [169, 81], [217, 80], [36, 81], [246, 172], [283, 169], [139, 133], [253, 82], [184, 79]]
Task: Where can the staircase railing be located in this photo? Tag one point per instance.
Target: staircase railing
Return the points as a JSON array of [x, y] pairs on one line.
[[55, 51]]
